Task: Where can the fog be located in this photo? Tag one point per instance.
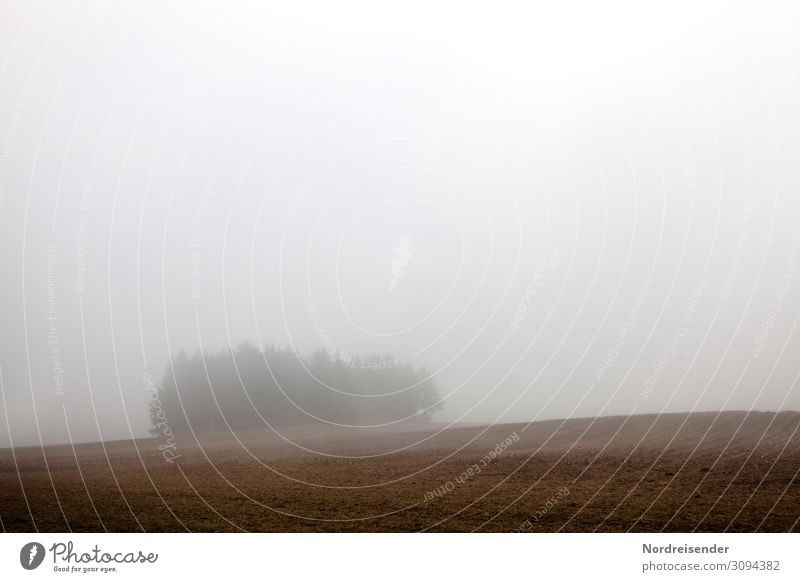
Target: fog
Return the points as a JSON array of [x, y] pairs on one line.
[[557, 211]]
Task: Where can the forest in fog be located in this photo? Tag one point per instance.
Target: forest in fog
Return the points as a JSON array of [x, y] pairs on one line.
[[248, 387]]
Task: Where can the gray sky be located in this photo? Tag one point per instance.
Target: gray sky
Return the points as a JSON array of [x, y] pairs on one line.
[[560, 210]]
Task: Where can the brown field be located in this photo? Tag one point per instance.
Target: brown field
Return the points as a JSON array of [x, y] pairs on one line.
[[711, 472]]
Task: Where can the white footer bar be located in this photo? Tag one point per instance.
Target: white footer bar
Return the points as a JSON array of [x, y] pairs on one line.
[[406, 557]]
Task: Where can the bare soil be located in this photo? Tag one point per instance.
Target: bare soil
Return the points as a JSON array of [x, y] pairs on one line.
[[710, 472]]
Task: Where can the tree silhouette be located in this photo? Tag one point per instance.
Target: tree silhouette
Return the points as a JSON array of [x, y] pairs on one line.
[[248, 387]]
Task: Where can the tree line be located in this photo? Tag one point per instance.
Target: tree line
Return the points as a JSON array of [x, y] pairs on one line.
[[250, 387]]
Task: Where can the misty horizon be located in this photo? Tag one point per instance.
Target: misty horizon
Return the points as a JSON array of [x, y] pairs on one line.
[[591, 213]]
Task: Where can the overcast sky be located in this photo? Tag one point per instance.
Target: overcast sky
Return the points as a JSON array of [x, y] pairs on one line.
[[561, 210]]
